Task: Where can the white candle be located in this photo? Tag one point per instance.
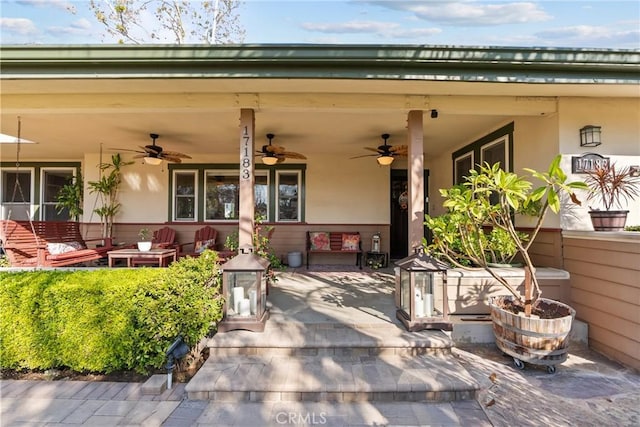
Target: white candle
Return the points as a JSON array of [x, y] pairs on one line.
[[245, 307], [419, 304], [238, 295], [428, 305], [253, 299]]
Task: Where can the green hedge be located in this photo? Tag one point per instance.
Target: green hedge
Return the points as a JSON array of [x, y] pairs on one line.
[[107, 319]]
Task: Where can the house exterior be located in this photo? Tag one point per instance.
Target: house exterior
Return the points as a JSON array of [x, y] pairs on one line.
[[452, 107]]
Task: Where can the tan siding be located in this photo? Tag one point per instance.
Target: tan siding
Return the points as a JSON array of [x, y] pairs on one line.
[[605, 291]]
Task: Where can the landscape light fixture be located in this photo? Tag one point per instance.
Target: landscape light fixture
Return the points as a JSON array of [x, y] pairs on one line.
[[177, 350], [590, 136]]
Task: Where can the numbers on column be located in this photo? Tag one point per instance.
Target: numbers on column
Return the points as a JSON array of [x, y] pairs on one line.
[[245, 161]]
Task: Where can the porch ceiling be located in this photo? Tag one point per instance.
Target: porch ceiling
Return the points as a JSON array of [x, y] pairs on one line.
[[68, 118]]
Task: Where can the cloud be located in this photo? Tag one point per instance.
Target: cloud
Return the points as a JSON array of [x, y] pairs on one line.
[[470, 12], [18, 26], [58, 4], [585, 35], [385, 29], [77, 28]]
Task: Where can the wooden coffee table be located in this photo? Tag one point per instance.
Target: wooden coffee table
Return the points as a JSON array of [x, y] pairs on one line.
[[162, 256]]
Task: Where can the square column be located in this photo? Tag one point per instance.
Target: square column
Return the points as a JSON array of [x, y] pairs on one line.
[[415, 177]]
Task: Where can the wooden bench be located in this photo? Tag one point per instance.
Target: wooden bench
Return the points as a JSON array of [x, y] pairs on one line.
[[28, 243], [331, 242]]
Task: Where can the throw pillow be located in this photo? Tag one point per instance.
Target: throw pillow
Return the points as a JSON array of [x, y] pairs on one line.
[[63, 248], [350, 242], [201, 245], [320, 241]]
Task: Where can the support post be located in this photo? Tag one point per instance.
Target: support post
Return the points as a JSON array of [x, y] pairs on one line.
[[247, 178], [415, 175]]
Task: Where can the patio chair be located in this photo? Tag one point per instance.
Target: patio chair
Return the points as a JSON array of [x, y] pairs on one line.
[[204, 238]]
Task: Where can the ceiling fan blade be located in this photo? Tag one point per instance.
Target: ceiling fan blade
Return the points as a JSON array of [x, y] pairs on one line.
[[171, 159], [140, 156], [175, 154], [364, 155], [127, 149], [399, 149], [292, 155], [372, 149]]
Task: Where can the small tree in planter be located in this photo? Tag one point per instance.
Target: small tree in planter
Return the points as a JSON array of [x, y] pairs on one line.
[[612, 188], [486, 202]]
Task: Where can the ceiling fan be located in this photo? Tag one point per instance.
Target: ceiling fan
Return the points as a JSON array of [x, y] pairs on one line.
[[154, 154], [385, 153], [272, 154]]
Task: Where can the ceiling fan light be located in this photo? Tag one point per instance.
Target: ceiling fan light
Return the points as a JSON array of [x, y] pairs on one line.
[[155, 161], [269, 160], [384, 160]]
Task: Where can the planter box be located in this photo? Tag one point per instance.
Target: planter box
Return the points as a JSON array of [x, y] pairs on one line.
[[468, 290]]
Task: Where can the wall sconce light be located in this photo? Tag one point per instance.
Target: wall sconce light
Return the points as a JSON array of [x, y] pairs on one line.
[[155, 161], [269, 159], [590, 136], [384, 160], [434, 114]]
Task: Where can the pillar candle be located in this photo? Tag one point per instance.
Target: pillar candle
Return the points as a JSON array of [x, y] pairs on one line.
[[419, 304], [238, 295], [245, 307], [428, 305], [253, 299]]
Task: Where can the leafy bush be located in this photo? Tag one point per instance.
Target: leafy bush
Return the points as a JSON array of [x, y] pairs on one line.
[[109, 319], [632, 228]]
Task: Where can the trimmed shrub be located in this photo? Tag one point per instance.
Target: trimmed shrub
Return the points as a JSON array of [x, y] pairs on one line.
[[108, 319]]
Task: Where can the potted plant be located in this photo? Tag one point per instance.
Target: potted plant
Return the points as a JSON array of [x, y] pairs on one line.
[[144, 244], [611, 187], [70, 197], [527, 327]]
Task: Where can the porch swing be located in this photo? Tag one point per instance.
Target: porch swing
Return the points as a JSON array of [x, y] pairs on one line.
[[29, 243]]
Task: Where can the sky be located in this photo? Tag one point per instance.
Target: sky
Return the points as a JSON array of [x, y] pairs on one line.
[[573, 24]]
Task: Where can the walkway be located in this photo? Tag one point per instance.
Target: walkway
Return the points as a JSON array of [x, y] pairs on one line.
[[587, 390]]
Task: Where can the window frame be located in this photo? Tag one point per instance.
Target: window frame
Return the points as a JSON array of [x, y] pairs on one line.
[[476, 149], [278, 173], [43, 182], [270, 172], [174, 196]]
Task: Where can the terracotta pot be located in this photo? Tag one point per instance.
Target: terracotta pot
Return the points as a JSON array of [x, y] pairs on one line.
[[531, 339], [608, 220]]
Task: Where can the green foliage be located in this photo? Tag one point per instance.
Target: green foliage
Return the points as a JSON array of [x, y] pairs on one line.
[[106, 320], [144, 234], [107, 188], [70, 197], [632, 228], [479, 227]]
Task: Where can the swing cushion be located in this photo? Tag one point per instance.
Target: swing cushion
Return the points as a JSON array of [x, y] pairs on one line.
[[63, 248]]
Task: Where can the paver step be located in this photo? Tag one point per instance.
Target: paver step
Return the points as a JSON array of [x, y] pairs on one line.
[[435, 378], [329, 339]]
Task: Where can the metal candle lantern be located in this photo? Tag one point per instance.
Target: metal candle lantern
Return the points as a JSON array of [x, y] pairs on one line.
[[244, 287], [375, 242], [419, 304]]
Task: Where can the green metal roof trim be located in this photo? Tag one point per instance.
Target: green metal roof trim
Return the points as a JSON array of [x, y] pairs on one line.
[[444, 63]]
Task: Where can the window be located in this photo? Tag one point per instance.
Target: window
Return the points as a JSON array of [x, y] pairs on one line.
[[462, 166], [17, 194], [276, 192], [52, 182], [36, 194], [184, 190], [494, 147], [288, 184]]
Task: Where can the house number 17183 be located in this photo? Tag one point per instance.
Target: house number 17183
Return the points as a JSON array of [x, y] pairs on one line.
[[245, 157]]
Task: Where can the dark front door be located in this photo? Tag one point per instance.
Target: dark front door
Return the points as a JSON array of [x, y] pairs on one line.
[[399, 212]]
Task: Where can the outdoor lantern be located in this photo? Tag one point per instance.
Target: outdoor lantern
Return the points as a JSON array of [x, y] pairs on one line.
[[244, 287], [590, 136], [375, 242], [420, 303]]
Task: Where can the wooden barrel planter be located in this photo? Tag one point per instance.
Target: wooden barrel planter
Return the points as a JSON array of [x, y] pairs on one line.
[[530, 339]]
